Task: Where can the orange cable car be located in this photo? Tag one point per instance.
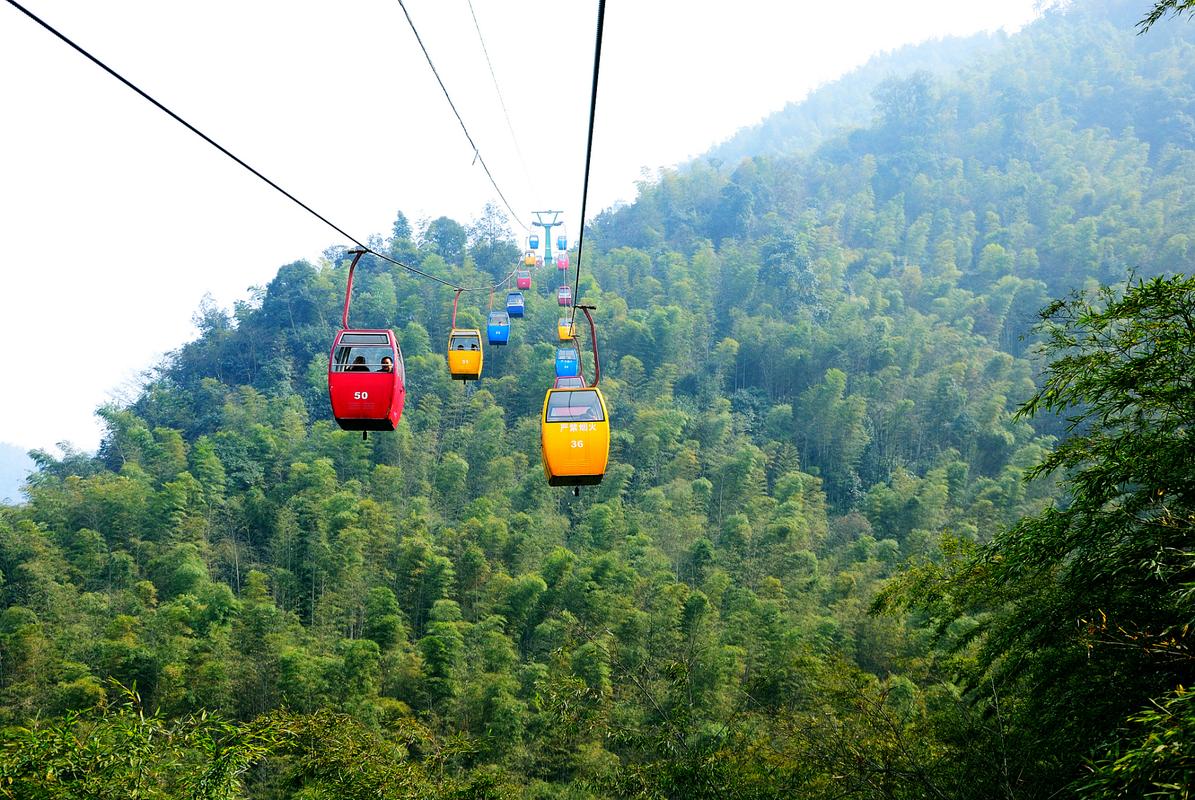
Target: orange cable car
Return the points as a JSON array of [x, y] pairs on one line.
[[575, 430], [465, 355], [575, 436]]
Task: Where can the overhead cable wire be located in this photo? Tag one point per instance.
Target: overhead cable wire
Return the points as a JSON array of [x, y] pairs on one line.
[[227, 152], [597, 61], [509, 125], [476, 152]]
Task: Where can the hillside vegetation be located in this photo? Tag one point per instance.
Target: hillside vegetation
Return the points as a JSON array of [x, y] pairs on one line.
[[815, 567]]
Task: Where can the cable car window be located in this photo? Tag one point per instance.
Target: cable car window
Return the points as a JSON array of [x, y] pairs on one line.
[[499, 318], [582, 406], [469, 342], [363, 359], [365, 338]]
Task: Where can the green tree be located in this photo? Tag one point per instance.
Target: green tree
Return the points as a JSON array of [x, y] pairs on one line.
[[446, 238], [1086, 605]]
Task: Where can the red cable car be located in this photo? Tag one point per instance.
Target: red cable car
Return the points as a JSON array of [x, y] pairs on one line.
[[564, 295], [366, 373], [523, 279]]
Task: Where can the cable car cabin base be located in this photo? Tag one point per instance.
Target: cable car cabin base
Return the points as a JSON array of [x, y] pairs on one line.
[[578, 480], [364, 425]]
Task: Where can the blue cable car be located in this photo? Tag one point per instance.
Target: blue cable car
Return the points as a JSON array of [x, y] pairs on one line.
[[568, 363], [497, 327], [533, 241], [561, 243], [514, 304]]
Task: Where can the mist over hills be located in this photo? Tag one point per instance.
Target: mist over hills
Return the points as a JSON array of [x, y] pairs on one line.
[[846, 102], [15, 465], [813, 355]]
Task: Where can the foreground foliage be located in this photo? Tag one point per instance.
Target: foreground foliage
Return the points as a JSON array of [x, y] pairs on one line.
[[1084, 610]]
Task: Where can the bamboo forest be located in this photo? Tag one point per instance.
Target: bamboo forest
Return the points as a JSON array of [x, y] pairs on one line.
[[853, 459]]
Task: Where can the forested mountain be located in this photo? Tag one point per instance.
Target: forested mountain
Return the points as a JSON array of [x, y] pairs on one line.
[[814, 568]]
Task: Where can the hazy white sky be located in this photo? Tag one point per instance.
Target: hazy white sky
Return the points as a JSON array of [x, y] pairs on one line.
[[115, 221]]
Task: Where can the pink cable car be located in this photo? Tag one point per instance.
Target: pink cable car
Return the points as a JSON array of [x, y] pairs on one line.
[[366, 374]]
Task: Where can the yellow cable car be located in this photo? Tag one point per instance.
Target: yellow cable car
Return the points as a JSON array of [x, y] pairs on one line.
[[529, 259], [566, 329], [575, 436], [465, 354]]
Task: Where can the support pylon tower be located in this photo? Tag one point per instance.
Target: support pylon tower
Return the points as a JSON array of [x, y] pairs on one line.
[[547, 226]]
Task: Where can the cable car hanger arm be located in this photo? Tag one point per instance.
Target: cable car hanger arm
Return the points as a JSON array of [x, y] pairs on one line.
[[348, 292], [597, 362]]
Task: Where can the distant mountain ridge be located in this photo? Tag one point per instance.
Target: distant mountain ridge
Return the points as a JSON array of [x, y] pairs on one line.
[[847, 102]]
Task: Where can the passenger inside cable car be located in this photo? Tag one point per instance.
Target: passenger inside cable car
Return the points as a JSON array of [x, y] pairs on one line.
[[350, 356], [464, 342]]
